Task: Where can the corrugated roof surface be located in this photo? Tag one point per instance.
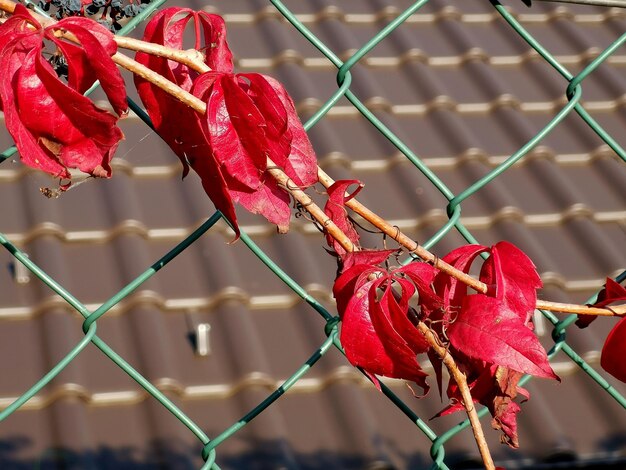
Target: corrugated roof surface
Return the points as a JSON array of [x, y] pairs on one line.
[[464, 92]]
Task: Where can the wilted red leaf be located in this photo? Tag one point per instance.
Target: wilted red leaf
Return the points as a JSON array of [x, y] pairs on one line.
[[491, 335], [378, 329], [190, 142], [247, 123], [301, 164], [54, 126]]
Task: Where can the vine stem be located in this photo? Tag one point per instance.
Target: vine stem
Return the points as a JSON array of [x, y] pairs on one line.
[[195, 60], [468, 401]]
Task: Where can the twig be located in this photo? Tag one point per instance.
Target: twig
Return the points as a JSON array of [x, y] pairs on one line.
[[468, 401]]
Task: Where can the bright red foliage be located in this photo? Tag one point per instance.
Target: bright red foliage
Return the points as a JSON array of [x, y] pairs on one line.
[[378, 329], [54, 126], [249, 118], [490, 335], [335, 209]]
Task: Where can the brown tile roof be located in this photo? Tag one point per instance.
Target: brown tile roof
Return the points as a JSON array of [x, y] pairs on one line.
[[464, 92]]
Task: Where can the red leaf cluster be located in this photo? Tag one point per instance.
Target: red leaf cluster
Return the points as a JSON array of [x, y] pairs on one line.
[[489, 335], [249, 118], [54, 126]]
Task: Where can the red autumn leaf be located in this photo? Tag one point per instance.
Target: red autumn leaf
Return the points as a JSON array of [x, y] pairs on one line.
[[450, 289], [488, 330], [491, 335], [336, 211], [236, 130], [494, 387], [378, 329], [370, 341], [301, 164], [613, 355], [612, 292], [249, 119], [248, 122], [614, 349], [366, 257], [511, 276], [190, 142], [54, 126]]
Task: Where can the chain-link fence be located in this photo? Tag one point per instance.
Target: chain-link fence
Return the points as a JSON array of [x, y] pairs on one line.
[[573, 90]]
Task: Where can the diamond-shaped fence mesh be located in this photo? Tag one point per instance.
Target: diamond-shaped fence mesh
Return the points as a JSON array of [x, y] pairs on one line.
[[573, 91]]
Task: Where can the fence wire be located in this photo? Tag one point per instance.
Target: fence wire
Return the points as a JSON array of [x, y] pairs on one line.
[[573, 90]]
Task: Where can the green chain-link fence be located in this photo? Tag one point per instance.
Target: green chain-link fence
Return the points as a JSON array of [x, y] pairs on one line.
[[573, 89]]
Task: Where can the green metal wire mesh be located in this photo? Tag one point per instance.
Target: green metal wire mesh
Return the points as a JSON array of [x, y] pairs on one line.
[[573, 91]]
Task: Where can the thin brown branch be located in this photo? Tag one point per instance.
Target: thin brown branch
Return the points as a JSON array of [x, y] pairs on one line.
[[468, 401], [412, 246]]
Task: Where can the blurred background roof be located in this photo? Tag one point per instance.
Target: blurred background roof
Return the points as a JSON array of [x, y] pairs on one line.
[[464, 92]]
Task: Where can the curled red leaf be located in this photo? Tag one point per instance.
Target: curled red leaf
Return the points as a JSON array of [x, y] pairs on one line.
[[55, 127], [378, 331], [612, 292], [614, 349], [335, 209]]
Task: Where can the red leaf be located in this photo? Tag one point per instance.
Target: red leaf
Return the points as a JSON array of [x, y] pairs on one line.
[[612, 292], [236, 132], [54, 126], [167, 28], [349, 282], [91, 60], [613, 359], [398, 313], [371, 343], [301, 165], [488, 330], [336, 211], [268, 200], [511, 276], [450, 289]]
